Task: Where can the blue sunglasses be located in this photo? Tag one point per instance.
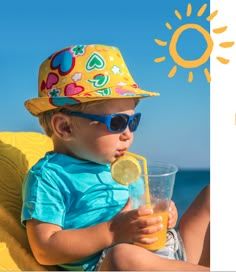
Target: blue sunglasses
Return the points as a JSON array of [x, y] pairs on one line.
[[116, 122]]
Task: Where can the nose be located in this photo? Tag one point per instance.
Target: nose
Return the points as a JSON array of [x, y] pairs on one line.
[[126, 135]]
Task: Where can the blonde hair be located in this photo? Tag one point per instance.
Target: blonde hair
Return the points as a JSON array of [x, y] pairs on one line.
[[45, 117]]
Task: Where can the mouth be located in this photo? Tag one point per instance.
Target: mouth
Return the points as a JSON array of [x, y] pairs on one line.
[[120, 153]]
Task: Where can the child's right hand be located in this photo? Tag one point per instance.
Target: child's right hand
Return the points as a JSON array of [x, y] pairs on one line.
[[130, 226]]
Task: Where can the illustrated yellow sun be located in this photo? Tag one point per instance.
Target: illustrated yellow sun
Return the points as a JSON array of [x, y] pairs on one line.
[[191, 64]]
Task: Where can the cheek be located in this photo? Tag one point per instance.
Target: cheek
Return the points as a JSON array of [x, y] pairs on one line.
[[107, 142], [99, 139], [131, 137], [103, 149]]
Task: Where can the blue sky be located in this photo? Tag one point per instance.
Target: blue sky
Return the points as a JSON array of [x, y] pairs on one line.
[[175, 127]]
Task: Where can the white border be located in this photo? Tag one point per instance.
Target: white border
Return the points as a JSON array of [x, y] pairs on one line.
[[223, 141]]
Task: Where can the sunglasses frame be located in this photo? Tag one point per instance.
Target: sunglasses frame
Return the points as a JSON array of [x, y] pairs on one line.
[[106, 119]]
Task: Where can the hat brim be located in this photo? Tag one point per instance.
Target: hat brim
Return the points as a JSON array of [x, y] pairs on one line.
[[41, 104]]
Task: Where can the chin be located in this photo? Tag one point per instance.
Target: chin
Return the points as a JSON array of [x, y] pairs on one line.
[[112, 160], [108, 160], [104, 161]]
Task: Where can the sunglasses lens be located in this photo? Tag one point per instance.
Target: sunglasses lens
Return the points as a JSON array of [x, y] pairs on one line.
[[119, 122], [134, 123]]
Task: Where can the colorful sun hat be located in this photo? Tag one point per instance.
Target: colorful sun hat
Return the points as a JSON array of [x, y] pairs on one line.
[[83, 73]]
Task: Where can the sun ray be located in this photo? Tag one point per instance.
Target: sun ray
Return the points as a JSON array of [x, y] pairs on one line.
[[207, 74], [172, 71], [189, 10], [226, 44], [178, 15], [190, 76], [220, 30], [222, 60], [202, 10], [168, 26], [212, 15], [161, 43], [159, 59]]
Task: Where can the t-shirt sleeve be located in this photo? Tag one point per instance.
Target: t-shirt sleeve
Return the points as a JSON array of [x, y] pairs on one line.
[[42, 199]]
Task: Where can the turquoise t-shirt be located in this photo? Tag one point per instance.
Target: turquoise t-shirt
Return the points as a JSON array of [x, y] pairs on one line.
[[73, 194]]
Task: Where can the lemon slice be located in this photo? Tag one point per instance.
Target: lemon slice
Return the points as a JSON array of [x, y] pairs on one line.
[[125, 170]]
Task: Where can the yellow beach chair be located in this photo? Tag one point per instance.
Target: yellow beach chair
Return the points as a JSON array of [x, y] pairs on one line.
[[18, 152]]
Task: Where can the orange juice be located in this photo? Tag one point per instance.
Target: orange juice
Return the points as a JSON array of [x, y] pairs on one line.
[[161, 235]]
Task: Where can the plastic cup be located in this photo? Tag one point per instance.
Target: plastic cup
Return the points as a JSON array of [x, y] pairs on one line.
[[161, 180]]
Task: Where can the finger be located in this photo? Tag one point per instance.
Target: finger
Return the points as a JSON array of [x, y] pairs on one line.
[[172, 206], [150, 230], [171, 217], [138, 213], [144, 210], [127, 206], [172, 209], [143, 222], [172, 203], [170, 224], [147, 240]]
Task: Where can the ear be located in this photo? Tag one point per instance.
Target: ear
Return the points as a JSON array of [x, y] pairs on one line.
[[61, 125]]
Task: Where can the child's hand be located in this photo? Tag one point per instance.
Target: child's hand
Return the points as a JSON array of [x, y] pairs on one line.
[[173, 215], [132, 226]]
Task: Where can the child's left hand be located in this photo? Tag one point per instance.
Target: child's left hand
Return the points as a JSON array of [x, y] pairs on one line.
[[173, 215]]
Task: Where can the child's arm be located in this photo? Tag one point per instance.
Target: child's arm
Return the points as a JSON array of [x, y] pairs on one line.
[[51, 245], [173, 215]]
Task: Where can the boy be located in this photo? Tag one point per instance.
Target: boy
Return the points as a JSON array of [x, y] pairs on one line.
[[76, 215]]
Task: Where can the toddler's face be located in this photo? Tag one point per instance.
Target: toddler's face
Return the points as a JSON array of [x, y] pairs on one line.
[[92, 140]]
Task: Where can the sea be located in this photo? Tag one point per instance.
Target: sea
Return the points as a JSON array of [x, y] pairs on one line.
[[188, 183]]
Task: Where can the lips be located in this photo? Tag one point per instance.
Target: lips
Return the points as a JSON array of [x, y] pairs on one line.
[[121, 152]]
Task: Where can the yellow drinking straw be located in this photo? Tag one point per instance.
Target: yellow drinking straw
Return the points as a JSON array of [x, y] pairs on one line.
[[145, 169]]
